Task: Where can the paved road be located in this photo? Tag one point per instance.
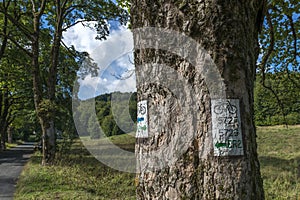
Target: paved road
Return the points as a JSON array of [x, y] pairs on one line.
[[11, 165]]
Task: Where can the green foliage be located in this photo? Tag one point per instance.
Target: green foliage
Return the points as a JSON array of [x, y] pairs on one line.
[[278, 64], [283, 107], [57, 65], [16, 99], [280, 37], [46, 109], [116, 114], [121, 117]]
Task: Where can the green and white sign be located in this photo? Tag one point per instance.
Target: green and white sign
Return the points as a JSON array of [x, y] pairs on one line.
[[142, 120], [226, 127]]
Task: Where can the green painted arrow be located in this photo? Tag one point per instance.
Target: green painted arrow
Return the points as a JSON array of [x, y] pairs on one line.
[[143, 127], [220, 144]]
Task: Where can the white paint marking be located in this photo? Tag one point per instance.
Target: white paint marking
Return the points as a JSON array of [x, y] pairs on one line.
[[142, 120], [226, 127]]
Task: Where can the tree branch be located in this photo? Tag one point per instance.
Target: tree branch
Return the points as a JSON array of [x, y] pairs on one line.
[[263, 64], [270, 49], [18, 45], [33, 6], [4, 41], [294, 35], [19, 25], [68, 49], [71, 8], [77, 22], [63, 6], [42, 9]]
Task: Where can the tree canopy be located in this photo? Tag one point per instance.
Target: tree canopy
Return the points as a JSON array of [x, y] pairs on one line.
[[279, 61], [34, 30]]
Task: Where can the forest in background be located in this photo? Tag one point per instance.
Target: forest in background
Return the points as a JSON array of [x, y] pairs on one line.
[[116, 114], [268, 111], [281, 105], [112, 109]]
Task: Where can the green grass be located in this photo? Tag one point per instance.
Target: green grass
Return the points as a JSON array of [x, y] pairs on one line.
[[125, 141], [10, 145], [78, 175], [279, 155]]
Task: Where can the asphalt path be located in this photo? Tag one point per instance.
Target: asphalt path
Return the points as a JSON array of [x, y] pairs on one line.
[[11, 164]]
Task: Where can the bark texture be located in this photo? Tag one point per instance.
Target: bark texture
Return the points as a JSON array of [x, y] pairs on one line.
[[228, 30]]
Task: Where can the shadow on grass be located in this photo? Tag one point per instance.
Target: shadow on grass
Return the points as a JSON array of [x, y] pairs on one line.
[[36, 159], [292, 165]]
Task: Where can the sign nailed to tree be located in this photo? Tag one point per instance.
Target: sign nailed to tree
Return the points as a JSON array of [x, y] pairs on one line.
[[142, 120], [226, 127]]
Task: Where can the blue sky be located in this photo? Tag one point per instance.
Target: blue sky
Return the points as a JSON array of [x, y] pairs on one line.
[[113, 56]]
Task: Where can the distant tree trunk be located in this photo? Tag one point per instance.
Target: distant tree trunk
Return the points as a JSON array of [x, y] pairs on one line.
[[3, 140], [4, 114], [3, 137], [52, 78], [228, 31], [3, 92], [43, 106], [10, 131], [37, 85]]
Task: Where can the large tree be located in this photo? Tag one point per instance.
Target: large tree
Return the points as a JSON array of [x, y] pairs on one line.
[[228, 32], [42, 23]]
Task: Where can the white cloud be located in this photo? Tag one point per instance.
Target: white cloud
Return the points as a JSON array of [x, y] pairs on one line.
[[111, 55], [82, 38], [93, 86], [120, 42], [126, 61]]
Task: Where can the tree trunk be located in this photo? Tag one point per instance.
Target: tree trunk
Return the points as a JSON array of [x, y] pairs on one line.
[[186, 155], [4, 37], [51, 82], [4, 113], [10, 131], [3, 140], [2, 93], [3, 137], [37, 90], [42, 106]]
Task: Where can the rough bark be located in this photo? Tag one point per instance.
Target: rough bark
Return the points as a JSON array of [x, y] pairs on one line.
[[228, 30]]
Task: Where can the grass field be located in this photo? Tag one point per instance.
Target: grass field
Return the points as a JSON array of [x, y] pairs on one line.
[[279, 155], [78, 175]]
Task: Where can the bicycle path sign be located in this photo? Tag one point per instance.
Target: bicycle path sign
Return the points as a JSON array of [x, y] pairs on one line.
[[142, 120], [226, 127]]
